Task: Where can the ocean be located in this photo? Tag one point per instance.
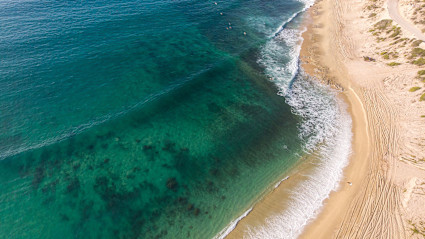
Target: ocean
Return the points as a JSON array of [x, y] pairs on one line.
[[158, 119]]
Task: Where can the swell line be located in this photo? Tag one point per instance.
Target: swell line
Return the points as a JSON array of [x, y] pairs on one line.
[[106, 118]]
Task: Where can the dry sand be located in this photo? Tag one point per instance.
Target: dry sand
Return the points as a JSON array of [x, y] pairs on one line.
[[387, 169], [388, 201]]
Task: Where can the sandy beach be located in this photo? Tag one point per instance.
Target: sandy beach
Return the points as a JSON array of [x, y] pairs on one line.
[[388, 154], [358, 47]]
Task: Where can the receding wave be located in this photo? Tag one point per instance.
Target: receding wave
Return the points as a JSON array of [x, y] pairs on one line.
[[307, 5], [278, 183], [232, 225]]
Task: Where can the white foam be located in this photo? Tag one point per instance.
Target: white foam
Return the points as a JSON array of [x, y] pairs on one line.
[[232, 225], [327, 130], [280, 57], [278, 183], [307, 5]]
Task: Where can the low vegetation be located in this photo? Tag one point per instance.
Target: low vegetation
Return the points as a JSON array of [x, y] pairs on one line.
[[366, 58], [417, 229], [417, 52], [415, 88], [388, 55], [422, 97], [396, 31], [416, 43], [383, 24], [372, 15], [373, 6], [394, 64], [421, 75], [419, 62]]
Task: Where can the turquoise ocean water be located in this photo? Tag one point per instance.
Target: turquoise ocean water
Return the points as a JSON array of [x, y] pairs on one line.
[[141, 118]]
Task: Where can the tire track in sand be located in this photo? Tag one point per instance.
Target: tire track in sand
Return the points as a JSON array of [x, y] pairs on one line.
[[376, 211]]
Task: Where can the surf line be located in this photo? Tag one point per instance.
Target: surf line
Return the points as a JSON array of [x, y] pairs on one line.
[[232, 225]]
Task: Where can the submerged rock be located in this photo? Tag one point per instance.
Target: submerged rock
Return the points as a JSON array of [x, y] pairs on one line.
[[73, 186], [214, 172], [172, 184], [196, 211], [169, 146], [182, 200], [38, 176], [64, 217], [76, 166]]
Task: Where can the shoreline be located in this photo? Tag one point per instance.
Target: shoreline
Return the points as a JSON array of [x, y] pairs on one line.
[[279, 199], [379, 195], [378, 201], [334, 208], [314, 51]]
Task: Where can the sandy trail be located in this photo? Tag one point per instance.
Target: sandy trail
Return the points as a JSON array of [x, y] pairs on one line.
[[394, 12]]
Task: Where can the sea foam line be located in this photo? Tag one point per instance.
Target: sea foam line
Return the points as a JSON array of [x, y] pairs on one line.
[[280, 182], [307, 5], [232, 225], [325, 130], [333, 147]]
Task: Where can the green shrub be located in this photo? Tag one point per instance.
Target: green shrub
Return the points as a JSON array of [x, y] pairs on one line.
[[416, 43], [372, 15], [419, 62], [415, 88], [422, 97], [366, 58], [421, 72], [418, 52], [393, 64], [373, 6], [397, 31], [383, 24]]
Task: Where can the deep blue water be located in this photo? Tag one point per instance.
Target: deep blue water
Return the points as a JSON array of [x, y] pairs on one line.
[[138, 119]]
